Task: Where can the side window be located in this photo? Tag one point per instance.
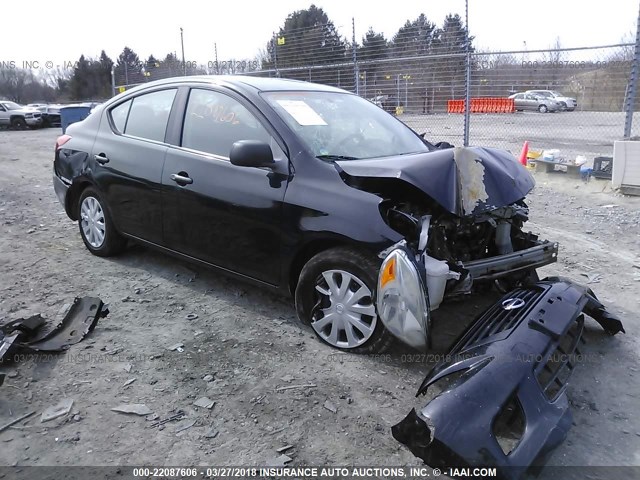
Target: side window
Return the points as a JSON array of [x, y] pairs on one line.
[[119, 115], [149, 114], [214, 122]]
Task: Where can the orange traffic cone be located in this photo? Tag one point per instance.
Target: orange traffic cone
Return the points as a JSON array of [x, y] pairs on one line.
[[523, 154]]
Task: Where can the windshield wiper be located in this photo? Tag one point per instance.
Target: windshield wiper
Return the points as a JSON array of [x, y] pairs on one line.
[[336, 157]]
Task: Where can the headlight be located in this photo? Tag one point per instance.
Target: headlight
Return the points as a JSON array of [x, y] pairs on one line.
[[402, 299]]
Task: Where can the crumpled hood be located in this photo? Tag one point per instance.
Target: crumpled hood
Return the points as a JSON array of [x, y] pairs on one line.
[[464, 180]]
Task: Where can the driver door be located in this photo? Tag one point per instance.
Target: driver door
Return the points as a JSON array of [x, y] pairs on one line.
[[223, 214]]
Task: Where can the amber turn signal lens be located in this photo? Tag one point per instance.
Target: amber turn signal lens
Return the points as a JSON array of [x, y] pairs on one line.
[[389, 272]]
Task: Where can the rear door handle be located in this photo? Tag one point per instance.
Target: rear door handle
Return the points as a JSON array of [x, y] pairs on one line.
[[181, 178], [101, 158]]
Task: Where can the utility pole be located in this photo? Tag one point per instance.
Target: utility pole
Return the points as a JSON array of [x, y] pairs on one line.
[[356, 71], [467, 92], [113, 80], [184, 64], [215, 51], [275, 54]]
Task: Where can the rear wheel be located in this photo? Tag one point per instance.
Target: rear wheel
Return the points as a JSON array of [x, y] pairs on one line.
[[335, 295], [96, 226], [543, 109]]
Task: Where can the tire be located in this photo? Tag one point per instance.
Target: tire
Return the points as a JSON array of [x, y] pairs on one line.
[[543, 109], [563, 106], [18, 123], [94, 217], [312, 297]]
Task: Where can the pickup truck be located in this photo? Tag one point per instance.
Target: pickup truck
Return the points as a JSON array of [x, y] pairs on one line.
[[19, 117]]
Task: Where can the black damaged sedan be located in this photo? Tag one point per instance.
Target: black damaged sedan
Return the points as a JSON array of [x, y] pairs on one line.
[[302, 188], [312, 190]]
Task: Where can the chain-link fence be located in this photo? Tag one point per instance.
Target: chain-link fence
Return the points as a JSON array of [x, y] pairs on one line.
[[569, 99]]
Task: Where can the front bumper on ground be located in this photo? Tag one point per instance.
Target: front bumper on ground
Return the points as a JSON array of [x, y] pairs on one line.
[[502, 401]]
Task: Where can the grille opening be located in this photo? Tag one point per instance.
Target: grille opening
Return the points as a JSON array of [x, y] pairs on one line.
[[509, 424], [498, 319], [554, 374]]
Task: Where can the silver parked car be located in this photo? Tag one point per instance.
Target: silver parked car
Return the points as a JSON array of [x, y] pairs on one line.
[[567, 103], [529, 101]]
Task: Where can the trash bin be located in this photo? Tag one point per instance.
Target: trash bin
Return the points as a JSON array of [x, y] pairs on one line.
[[73, 113]]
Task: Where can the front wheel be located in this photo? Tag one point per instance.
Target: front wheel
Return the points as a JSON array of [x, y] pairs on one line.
[[543, 109], [19, 123], [335, 295], [96, 227]]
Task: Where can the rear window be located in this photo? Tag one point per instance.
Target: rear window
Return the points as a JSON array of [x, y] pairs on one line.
[[145, 116], [119, 115]]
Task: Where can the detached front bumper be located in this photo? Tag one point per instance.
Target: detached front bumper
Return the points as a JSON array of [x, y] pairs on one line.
[[502, 400]]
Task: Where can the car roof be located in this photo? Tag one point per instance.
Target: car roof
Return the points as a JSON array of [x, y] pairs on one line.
[[258, 84]]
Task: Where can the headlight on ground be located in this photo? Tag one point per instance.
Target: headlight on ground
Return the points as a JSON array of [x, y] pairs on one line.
[[402, 300]]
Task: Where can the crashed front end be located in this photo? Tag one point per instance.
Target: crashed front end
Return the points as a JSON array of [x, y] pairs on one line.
[[501, 398], [500, 394], [461, 213]]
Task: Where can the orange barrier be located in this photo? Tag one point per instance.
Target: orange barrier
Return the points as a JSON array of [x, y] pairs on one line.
[[483, 105]]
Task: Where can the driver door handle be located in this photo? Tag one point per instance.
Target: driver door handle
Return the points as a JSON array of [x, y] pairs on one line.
[[181, 178], [101, 158]]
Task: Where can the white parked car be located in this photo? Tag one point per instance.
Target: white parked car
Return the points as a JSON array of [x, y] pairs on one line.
[[567, 103]]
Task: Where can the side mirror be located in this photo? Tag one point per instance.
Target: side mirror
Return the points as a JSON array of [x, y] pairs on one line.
[[251, 153]]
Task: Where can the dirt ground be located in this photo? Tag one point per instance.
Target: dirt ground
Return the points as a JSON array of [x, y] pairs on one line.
[[244, 345]]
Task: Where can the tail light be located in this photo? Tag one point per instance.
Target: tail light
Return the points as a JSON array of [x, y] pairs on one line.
[[61, 141]]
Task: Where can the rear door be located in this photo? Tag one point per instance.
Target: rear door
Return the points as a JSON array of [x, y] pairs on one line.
[[223, 214], [530, 102], [129, 152]]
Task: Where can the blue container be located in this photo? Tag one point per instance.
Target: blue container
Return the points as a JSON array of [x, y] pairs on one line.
[[74, 113]]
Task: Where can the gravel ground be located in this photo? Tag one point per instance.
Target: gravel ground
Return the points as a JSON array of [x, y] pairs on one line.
[[244, 345]]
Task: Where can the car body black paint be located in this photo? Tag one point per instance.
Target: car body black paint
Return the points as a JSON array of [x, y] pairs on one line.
[[251, 230]]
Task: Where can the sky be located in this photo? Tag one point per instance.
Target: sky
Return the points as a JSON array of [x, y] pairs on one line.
[[241, 28]]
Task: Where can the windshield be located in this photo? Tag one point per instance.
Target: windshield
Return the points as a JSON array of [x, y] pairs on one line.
[[344, 126], [11, 106], [556, 94]]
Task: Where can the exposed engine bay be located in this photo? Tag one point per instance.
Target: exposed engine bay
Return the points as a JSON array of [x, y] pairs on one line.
[[462, 208]]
